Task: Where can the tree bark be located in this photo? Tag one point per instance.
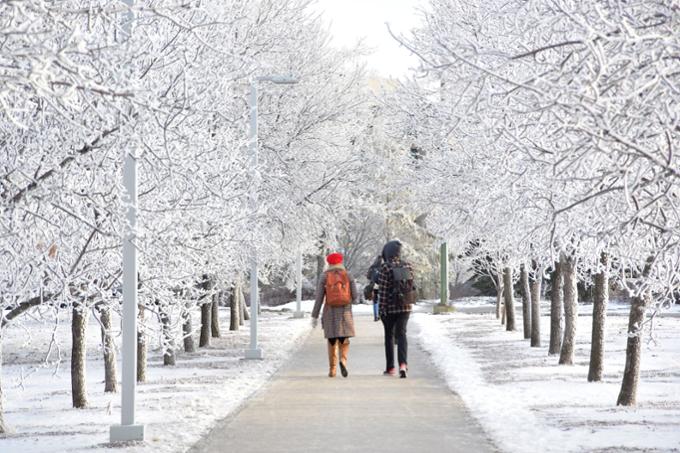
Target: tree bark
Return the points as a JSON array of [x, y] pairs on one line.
[[215, 316], [600, 301], [320, 263], [508, 296], [168, 340], [526, 300], [631, 373], [109, 345], [234, 309], [3, 427], [245, 316], [141, 345], [535, 288], [188, 330], [556, 309], [499, 294], [570, 310], [206, 315], [78, 356]]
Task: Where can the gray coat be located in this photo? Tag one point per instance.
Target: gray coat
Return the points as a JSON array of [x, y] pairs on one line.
[[335, 321]]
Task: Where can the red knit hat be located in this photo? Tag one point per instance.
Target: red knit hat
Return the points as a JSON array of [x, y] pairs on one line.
[[334, 258]]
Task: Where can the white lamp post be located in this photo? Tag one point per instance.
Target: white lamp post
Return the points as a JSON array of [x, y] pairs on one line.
[[128, 430], [254, 352]]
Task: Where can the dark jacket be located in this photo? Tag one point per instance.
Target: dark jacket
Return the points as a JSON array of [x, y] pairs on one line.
[[374, 271], [391, 255]]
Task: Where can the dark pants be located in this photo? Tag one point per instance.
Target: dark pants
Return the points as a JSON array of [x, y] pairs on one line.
[[395, 326]]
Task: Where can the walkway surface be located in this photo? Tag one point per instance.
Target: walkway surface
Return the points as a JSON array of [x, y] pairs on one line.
[[303, 410]]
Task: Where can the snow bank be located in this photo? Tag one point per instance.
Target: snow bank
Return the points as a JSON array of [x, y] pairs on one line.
[[528, 403], [177, 404]]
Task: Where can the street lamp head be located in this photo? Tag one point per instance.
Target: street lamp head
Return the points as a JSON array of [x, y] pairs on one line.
[[280, 80]]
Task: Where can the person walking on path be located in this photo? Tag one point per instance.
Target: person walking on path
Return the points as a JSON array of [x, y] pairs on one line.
[[396, 297], [336, 291], [371, 290]]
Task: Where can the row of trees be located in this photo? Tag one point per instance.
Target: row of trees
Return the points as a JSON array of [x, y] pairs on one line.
[[549, 134], [85, 83]]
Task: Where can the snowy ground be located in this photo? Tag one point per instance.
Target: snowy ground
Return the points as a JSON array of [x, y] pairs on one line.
[[176, 404], [527, 403]]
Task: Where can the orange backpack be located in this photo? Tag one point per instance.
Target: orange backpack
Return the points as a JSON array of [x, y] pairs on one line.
[[338, 291]]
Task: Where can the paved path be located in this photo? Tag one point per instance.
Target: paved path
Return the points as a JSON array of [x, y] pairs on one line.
[[302, 410]]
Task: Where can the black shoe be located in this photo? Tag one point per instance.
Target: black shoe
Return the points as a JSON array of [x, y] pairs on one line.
[[343, 370]]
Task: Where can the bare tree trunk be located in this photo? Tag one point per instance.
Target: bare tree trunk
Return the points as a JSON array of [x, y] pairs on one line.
[[3, 427], [168, 344], [188, 330], [570, 310], [242, 301], [508, 296], [320, 264], [78, 356], [215, 315], [556, 309], [526, 300], [631, 373], [234, 309], [110, 379], [535, 287], [141, 345], [206, 315], [499, 294], [601, 299]]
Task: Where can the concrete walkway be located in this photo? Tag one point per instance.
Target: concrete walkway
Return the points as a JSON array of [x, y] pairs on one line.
[[303, 410]]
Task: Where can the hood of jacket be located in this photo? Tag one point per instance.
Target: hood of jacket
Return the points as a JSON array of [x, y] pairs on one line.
[[391, 250]]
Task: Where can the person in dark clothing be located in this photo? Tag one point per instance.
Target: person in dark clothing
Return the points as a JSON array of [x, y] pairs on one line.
[[371, 290], [396, 297]]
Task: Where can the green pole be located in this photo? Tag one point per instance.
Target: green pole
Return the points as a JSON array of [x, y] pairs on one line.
[[444, 277]]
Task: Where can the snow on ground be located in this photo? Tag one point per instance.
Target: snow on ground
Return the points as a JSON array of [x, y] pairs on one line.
[[177, 404], [528, 403]]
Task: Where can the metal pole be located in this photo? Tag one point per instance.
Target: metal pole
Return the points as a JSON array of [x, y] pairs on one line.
[[253, 352], [444, 276], [130, 295], [298, 293], [127, 430]]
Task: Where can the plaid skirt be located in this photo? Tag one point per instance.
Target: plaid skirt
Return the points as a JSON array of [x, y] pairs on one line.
[[337, 321]]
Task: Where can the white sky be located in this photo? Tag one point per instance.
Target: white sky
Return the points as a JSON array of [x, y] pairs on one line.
[[351, 20]]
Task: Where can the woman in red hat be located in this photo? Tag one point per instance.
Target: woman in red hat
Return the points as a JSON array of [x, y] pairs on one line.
[[336, 291]]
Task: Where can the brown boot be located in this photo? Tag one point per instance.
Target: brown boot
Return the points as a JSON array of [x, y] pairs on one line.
[[344, 350], [332, 358]]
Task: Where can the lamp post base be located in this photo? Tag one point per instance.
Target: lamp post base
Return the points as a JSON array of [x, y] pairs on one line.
[[299, 314], [126, 433], [443, 308], [254, 354]]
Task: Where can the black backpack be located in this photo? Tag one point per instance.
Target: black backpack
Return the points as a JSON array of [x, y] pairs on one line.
[[373, 272], [403, 289]]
